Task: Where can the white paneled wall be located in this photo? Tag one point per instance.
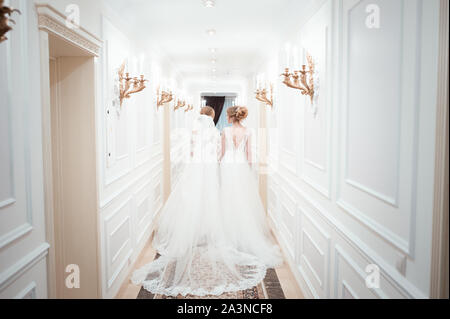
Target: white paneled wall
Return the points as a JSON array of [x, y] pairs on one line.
[[130, 160], [351, 176], [23, 248]]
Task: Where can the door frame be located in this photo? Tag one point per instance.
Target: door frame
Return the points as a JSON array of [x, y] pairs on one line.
[[440, 234], [51, 21]]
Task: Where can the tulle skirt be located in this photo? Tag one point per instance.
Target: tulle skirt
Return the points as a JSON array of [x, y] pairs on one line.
[[211, 235], [245, 222]]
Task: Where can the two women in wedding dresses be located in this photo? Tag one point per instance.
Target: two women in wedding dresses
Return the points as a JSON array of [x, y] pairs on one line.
[[212, 235]]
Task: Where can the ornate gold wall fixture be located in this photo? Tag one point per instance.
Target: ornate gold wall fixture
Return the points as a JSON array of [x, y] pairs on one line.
[[261, 95], [163, 97], [189, 108], [129, 85], [5, 14], [180, 104], [302, 80]]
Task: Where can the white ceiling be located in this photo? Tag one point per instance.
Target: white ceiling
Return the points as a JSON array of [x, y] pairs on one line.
[[246, 31]]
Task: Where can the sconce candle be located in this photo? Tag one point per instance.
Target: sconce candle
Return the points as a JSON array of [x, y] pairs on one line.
[[262, 95], [179, 104], [141, 63], [189, 108], [300, 79], [129, 85], [163, 97], [288, 55], [296, 63]]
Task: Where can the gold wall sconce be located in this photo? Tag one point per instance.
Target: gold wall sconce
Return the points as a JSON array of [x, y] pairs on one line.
[[264, 90], [302, 80], [189, 108], [261, 95], [128, 85], [163, 97], [5, 14], [179, 104]]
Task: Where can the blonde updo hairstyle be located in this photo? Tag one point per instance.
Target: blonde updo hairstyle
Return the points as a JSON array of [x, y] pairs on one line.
[[237, 113], [208, 110]]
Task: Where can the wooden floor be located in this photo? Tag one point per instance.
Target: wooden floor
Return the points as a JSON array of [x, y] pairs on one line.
[[130, 291]]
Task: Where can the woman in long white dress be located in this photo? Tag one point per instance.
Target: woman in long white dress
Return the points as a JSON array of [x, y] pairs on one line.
[[245, 222], [200, 253]]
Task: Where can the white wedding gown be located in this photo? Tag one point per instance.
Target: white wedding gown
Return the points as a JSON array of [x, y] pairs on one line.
[[208, 246], [245, 223]]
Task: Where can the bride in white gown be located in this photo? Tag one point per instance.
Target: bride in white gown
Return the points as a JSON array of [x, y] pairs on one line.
[[244, 215], [208, 246]]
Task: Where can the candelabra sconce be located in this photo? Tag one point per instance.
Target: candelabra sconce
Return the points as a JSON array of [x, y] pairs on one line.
[[302, 80], [163, 97], [189, 108], [261, 95], [180, 104], [5, 14], [128, 85]]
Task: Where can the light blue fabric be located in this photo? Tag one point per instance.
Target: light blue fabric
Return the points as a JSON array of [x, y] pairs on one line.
[[223, 121]]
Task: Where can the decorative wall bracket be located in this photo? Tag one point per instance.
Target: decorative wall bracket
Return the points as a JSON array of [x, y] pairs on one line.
[[163, 97], [180, 104], [302, 80], [128, 85], [261, 95], [189, 108], [5, 20]]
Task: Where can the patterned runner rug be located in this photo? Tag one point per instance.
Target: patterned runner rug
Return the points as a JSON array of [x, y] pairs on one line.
[[270, 288]]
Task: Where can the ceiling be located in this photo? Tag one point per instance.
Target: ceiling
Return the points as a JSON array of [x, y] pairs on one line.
[[246, 31]]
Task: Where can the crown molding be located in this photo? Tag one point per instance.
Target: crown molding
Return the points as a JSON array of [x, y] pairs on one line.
[[54, 22]]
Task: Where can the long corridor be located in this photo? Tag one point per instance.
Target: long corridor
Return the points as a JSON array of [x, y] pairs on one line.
[[342, 111]]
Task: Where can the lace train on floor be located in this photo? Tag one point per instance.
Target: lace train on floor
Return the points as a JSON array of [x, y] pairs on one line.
[[205, 273]]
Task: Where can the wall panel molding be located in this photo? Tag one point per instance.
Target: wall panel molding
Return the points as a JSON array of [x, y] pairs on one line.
[[110, 199], [380, 211], [28, 292], [324, 249], [347, 41], [15, 234], [22, 265], [371, 196], [317, 277], [377, 228], [399, 282], [16, 209], [316, 37], [113, 256], [22, 240], [340, 253], [339, 231]]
